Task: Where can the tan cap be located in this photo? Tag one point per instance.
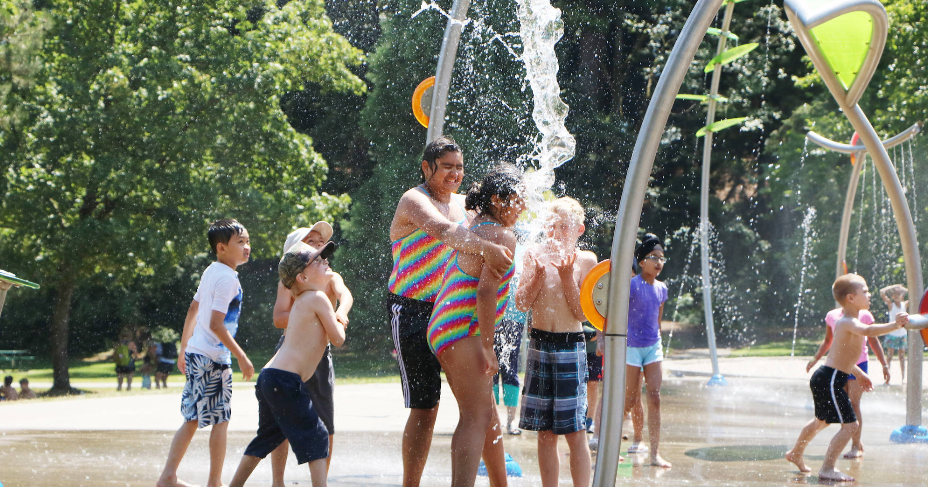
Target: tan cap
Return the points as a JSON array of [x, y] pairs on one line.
[[300, 234]]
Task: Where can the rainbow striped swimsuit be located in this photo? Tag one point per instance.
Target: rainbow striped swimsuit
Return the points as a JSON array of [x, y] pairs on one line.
[[419, 261], [455, 313]]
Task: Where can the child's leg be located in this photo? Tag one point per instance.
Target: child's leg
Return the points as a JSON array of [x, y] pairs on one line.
[[279, 463], [855, 392], [633, 400], [475, 403], [549, 461], [175, 454], [888, 353], [245, 467], [119, 381], [828, 470], [129, 381], [494, 455], [592, 398], [580, 463], [653, 377], [417, 439], [805, 436], [902, 364], [217, 453], [318, 471]]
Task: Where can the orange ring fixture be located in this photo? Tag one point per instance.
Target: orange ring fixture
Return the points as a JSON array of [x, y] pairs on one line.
[[594, 292], [417, 110]]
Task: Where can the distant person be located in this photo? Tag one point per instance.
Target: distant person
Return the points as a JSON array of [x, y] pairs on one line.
[[167, 359], [24, 391], [321, 385], [461, 332], [594, 367], [508, 348], [831, 400], [124, 357], [855, 389], [8, 392], [208, 344], [285, 408], [895, 341], [149, 358], [554, 396], [429, 222]]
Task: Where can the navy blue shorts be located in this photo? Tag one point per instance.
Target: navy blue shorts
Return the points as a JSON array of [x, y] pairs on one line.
[[285, 411]]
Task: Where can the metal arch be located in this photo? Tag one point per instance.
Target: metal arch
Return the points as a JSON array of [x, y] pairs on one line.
[[449, 52]]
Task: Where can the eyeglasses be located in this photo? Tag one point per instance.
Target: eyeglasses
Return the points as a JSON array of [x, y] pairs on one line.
[[656, 259]]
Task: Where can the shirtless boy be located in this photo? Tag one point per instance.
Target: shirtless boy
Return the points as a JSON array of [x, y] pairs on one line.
[[285, 410], [832, 404], [550, 287]]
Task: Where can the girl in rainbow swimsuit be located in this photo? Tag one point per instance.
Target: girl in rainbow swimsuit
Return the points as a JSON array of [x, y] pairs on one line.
[[469, 306]]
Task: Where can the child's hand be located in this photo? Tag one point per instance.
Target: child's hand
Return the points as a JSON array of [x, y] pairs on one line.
[[342, 317], [811, 364], [864, 382], [492, 363], [498, 258], [565, 267], [248, 370], [540, 272], [886, 373], [182, 364], [902, 319]]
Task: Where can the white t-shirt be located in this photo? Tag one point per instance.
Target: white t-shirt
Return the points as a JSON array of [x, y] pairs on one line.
[[219, 290], [895, 309]]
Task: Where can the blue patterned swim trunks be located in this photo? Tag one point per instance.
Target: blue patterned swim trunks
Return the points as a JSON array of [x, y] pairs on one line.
[[207, 396]]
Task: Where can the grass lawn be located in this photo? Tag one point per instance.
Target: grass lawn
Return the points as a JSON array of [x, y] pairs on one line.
[[804, 347]]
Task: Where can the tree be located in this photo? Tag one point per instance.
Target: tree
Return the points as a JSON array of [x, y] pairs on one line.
[[148, 120]]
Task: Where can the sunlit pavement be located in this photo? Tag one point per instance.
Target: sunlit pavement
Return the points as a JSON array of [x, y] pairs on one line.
[[732, 435]]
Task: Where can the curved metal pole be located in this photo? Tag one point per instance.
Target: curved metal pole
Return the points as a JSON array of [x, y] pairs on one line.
[[626, 229], [449, 52], [850, 149], [717, 378]]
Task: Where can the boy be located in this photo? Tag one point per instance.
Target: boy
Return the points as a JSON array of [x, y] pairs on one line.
[[285, 409], [8, 392], [207, 345], [831, 400], [554, 396], [24, 391]]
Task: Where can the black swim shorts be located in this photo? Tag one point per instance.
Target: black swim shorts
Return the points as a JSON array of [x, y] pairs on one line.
[[419, 368], [832, 404]]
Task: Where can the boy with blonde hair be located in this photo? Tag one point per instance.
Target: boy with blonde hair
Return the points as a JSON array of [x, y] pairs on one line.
[[554, 398], [832, 404], [285, 408]]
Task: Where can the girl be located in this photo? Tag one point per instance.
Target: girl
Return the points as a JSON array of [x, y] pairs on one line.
[[469, 306], [896, 340], [645, 308]]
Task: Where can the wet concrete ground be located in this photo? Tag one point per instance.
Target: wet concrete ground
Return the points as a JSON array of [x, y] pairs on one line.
[[734, 435]]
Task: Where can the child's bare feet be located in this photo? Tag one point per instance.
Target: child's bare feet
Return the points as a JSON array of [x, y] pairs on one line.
[[798, 461], [834, 475], [657, 461], [173, 482], [856, 452]]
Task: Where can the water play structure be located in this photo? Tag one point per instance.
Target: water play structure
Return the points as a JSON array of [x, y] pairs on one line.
[[845, 39], [7, 280]]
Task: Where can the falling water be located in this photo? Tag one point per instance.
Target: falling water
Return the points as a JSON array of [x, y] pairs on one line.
[[681, 235], [808, 235], [912, 180]]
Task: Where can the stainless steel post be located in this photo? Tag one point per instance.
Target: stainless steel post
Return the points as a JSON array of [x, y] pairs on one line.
[[449, 52], [626, 229]]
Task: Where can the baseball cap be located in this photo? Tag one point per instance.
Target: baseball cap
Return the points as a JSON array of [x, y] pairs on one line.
[[298, 257], [299, 234]]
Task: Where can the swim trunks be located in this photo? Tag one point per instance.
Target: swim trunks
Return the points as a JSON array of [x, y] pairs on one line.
[[420, 372], [832, 404], [554, 395], [207, 396], [285, 412], [641, 356], [321, 387], [865, 366]]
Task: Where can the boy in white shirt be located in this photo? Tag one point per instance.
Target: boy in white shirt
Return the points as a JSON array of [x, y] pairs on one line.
[[207, 346]]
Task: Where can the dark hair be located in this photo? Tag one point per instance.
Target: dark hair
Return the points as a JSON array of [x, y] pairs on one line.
[[8, 380], [435, 150], [648, 244], [503, 181], [24, 381], [221, 231]]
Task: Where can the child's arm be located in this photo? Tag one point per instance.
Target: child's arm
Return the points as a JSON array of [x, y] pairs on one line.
[[282, 306], [486, 316], [321, 305], [344, 297], [822, 349], [863, 379], [218, 327], [884, 294], [569, 285], [190, 321], [858, 328], [533, 277], [877, 348]]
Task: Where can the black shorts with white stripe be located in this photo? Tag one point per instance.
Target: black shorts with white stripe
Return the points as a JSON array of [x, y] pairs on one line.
[[832, 404], [419, 368]]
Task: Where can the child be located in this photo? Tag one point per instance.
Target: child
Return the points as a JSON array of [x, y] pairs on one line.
[[321, 385], [896, 340], [8, 392], [854, 389], [24, 391], [207, 345], [149, 357], [124, 356], [285, 409], [645, 309], [827, 383], [554, 395], [470, 304]]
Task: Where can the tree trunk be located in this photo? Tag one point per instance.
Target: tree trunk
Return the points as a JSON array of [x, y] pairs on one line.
[[58, 339]]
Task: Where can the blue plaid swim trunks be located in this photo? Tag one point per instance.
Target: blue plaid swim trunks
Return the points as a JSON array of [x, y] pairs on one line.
[[554, 396], [207, 396]]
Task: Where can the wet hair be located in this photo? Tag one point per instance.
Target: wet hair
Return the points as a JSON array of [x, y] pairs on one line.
[[846, 284], [435, 150], [8, 380], [221, 231], [502, 181], [570, 207]]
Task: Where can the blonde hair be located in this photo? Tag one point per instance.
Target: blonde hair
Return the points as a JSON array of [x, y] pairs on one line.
[[570, 207], [846, 284]]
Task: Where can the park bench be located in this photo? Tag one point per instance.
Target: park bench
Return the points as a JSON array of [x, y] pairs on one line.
[[11, 359]]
